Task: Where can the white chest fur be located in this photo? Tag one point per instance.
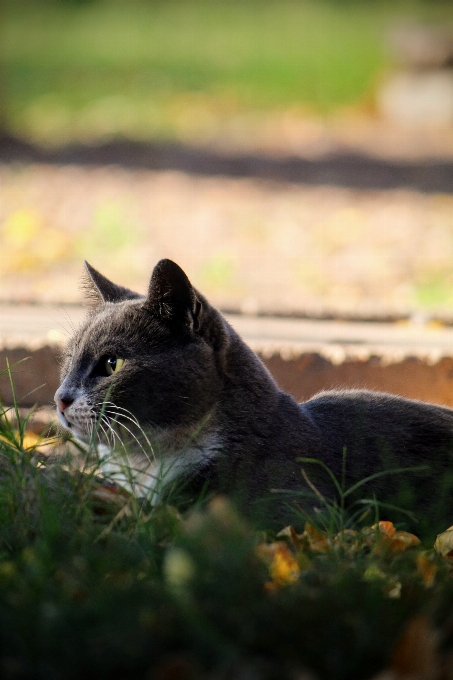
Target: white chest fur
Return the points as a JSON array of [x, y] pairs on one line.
[[148, 476]]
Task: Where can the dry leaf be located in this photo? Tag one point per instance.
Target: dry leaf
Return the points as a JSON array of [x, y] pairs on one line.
[[386, 528], [401, 540], [427, 569], [315, 539], [444, 543], [290, 533], [389, 539]]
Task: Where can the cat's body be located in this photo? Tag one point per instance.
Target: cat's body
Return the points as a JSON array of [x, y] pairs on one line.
[[171, 363]]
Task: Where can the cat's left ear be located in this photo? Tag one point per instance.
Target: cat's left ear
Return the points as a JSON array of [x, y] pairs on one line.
[[98, 289], [172, 297]]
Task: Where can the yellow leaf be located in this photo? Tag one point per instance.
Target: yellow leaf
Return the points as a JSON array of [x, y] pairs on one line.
[[427, 569], [282, 564]]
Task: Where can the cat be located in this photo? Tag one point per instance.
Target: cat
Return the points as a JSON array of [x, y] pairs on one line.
[[167, 374]]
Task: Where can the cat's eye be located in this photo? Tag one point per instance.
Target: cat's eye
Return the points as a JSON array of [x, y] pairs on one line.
[[113, 364]]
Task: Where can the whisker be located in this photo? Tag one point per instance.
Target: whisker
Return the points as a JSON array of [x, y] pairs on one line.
[[120, 408], [63, 330], [115, 435], [71, 323], [106, 434], [110, 406], [136, 439], [135, 422]]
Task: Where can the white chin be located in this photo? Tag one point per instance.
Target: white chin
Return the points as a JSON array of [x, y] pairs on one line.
[[63, 420], [81, 437]]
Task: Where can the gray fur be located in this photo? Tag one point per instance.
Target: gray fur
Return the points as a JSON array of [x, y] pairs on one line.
[[199, 392]]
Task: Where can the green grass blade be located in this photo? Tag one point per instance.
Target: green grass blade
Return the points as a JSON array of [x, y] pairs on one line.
[[383, 473]]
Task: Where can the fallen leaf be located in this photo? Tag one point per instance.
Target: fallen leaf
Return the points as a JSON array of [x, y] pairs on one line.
[[283, 567], [316, 541], [426, 568], [386, 528], [401, 540], [444, 543], [290, 533], [387, 538]]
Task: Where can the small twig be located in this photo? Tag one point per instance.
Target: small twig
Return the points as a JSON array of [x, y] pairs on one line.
[[313, 487]]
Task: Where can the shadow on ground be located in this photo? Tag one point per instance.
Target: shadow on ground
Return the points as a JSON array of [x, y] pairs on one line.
[[340, 169]]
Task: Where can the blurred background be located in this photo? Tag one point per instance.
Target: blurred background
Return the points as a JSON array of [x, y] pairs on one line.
[[290, 155]]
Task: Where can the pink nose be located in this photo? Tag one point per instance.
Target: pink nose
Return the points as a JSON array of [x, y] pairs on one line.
[[62, 404]]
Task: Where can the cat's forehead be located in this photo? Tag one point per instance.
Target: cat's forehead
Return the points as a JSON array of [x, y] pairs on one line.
[[119, 324]]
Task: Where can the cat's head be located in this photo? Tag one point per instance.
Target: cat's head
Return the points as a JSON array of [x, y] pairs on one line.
[[155, 359]]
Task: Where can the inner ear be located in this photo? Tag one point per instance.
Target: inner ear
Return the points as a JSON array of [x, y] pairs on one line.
[[171, 295], [98, 289]]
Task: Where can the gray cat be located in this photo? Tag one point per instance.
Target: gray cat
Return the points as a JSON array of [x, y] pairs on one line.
[[168, 375]]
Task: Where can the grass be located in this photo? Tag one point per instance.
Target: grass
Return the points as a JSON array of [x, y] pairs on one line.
[[94, 583], [188, 68]]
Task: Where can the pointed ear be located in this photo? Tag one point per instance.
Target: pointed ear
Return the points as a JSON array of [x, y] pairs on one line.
[[98, 289], [172, 297]]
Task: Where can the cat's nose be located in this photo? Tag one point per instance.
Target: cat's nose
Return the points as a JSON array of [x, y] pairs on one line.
[[63, 402]]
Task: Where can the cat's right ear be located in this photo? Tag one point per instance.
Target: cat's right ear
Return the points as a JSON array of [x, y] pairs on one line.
[[97, 289], [171, 296]]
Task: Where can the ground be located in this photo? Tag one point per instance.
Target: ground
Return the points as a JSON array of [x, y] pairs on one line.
[[350, 230]]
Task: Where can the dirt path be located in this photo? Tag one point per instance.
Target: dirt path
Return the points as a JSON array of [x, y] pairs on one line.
[[249, 244]]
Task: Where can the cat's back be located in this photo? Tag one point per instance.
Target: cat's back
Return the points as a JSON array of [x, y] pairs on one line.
[[374, 426]]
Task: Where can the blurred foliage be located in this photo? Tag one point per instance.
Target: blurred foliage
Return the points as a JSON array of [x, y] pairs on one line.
[[187, 68], [94, 583]]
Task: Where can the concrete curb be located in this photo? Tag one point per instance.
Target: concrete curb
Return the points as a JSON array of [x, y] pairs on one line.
[[304, 356]]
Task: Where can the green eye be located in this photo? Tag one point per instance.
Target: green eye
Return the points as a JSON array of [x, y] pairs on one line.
[[113, 364]]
